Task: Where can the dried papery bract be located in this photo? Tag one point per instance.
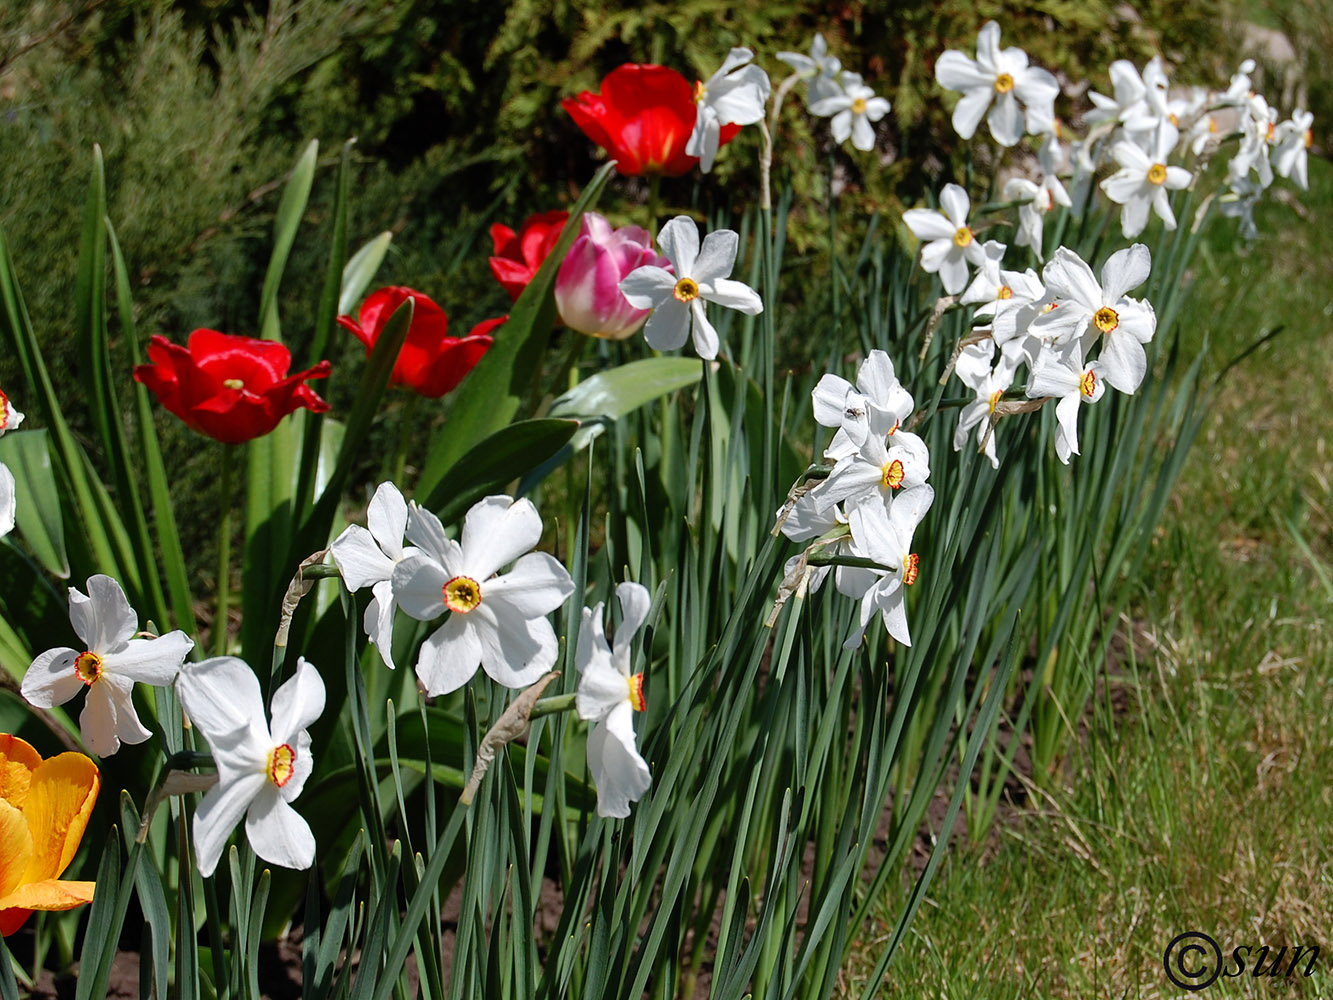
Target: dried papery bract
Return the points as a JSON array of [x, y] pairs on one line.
[[511, 725]]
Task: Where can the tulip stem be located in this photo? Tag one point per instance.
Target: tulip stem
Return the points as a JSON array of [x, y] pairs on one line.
[[405, 417], [223, 584], [654, 186]]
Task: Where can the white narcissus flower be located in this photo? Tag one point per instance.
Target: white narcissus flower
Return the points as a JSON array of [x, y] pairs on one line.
[[818, 69], [1085, 310], [366, 558], [108, 666], [261, 767], [8, 500], [1129, 102], [608, 696], [948, 244], [677, 300], [1144, 179], [973, 367], [1056, 376], [495, 621], [1002, 76], [734, 95], [877, 394], [886, 537], [1239, 89], [877, 469], [1291, 142], [854, 110], [1039, 197], [1258, 128], [9, 419]]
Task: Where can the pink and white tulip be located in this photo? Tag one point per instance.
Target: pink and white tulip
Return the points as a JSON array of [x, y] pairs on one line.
[[587, 288]]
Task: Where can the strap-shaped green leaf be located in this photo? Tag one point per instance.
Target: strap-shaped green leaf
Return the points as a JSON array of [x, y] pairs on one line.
[[37, 498], [493, 394]]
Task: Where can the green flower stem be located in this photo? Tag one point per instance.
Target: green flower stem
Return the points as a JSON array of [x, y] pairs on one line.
[[654, 186], [406, 413], [223, 585], [552, 706], [856, 562]]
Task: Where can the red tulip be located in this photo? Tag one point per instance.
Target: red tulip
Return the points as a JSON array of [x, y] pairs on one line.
[[643, 118], [519, 255], [231, 388], [431, 362]]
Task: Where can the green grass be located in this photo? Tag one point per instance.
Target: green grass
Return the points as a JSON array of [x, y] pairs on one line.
[[1204, 804]]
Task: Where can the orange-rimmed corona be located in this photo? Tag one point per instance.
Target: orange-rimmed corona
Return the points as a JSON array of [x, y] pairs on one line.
[[462, 594], [893, 474], [1004, 83], [686, 290], [1088, 383], [1106, 319], [281, 764], [636, 698], [911, 567], [88, 665]]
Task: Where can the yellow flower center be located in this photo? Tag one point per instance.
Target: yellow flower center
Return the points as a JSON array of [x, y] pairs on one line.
[[686, 290], [462, 594], [1005, 292], [1212, 124], [1309, 138], [281, 764], [1174, 120], [1271, 132], [88, 666], [4, 410], [233, 383], [859, 106], [1106, 319], [1088, 383], [995, 399], [636, 699], [962, 236], [1004, 83], [911, 567], [894, 474], [1157, 173], [699, 91]]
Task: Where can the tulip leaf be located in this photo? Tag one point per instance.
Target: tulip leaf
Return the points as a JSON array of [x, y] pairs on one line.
[[291, 207], [37, 498], [361, 270], [153, 903], [9, 989], [164, 516], [607, 396], [494, 393], [503, 456]]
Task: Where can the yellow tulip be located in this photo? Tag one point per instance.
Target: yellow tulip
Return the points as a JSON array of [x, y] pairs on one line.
[[44, 808]]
